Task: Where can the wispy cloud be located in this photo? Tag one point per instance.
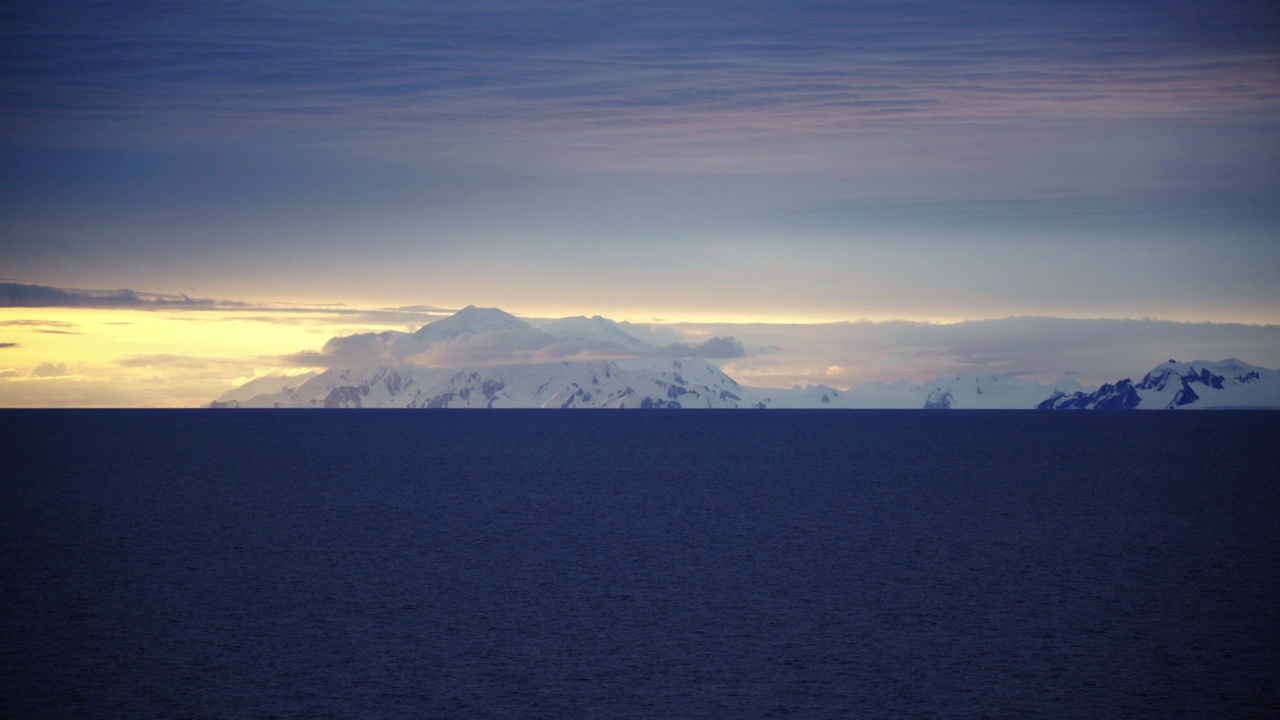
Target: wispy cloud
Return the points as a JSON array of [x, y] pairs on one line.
[[4, 345], [171, 360], [21, 295], [49, 370], [279, 314], [716, 348], [450, 135], [488, 348], [628, 82], [501, 347], [55, 324], [1094, 350], [49, 327], [35, 296], [851, 353]]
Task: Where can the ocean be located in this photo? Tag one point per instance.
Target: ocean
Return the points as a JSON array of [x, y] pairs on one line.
[[633, 564]]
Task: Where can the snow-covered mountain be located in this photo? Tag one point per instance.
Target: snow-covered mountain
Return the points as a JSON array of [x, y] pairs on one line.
[[593, 384], [987, 391], [639, 382], [594, 329], [470, 320], [486, 358], [266, 385], [1228, 383], [799, 398], [973, 391], [468, 334]]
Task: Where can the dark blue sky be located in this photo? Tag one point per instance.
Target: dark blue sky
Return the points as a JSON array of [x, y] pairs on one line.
[[798, 160]]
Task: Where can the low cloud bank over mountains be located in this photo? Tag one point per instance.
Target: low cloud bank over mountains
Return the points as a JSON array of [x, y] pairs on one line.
[[114, 348], [486, 358], [488, 336]]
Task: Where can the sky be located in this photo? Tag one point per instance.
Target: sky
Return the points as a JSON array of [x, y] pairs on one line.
[[855, 190]]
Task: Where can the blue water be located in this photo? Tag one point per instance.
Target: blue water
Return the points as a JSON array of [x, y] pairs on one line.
[[582, 564]]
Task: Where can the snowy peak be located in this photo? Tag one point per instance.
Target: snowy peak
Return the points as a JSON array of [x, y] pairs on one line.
[[1111, 396], [394, 348], [1172, 385], [1213, 375], [470, 320], [692, 382], [594, 329]]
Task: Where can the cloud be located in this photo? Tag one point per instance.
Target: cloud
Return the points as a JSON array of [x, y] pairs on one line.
[[856, 101], [321, 314], [307, 359], [170, 360], [37, 323], [628, 83], [653, 334], [8, 373], [361, 350], [49, 370], [581, 350], [29, 295], [1092, 350], [22, 295], [358, 350], [714, 348], [4, 345], [503, 347], [1047, 348], [491, 348]]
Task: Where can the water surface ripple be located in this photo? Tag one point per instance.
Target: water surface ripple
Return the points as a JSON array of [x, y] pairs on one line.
[[536, 564]]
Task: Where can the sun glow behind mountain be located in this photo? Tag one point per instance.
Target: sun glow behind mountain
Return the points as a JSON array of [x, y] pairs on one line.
[[185, 355], [121, 357], [487, 358]]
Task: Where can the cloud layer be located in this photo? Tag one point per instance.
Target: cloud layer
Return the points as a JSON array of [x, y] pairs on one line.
[[621, 81], [501, 347], [146, 368], [806, 160], [22, 295], [1092, 350]]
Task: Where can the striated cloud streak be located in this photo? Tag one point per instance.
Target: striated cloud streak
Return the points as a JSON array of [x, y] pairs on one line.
[[590, 84], [21, 295], [43, 296]]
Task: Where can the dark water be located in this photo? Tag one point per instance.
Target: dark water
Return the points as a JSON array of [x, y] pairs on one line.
[[387, 564]]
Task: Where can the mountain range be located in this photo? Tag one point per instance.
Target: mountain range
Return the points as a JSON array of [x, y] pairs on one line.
[[487, 358], [1229, 383]]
